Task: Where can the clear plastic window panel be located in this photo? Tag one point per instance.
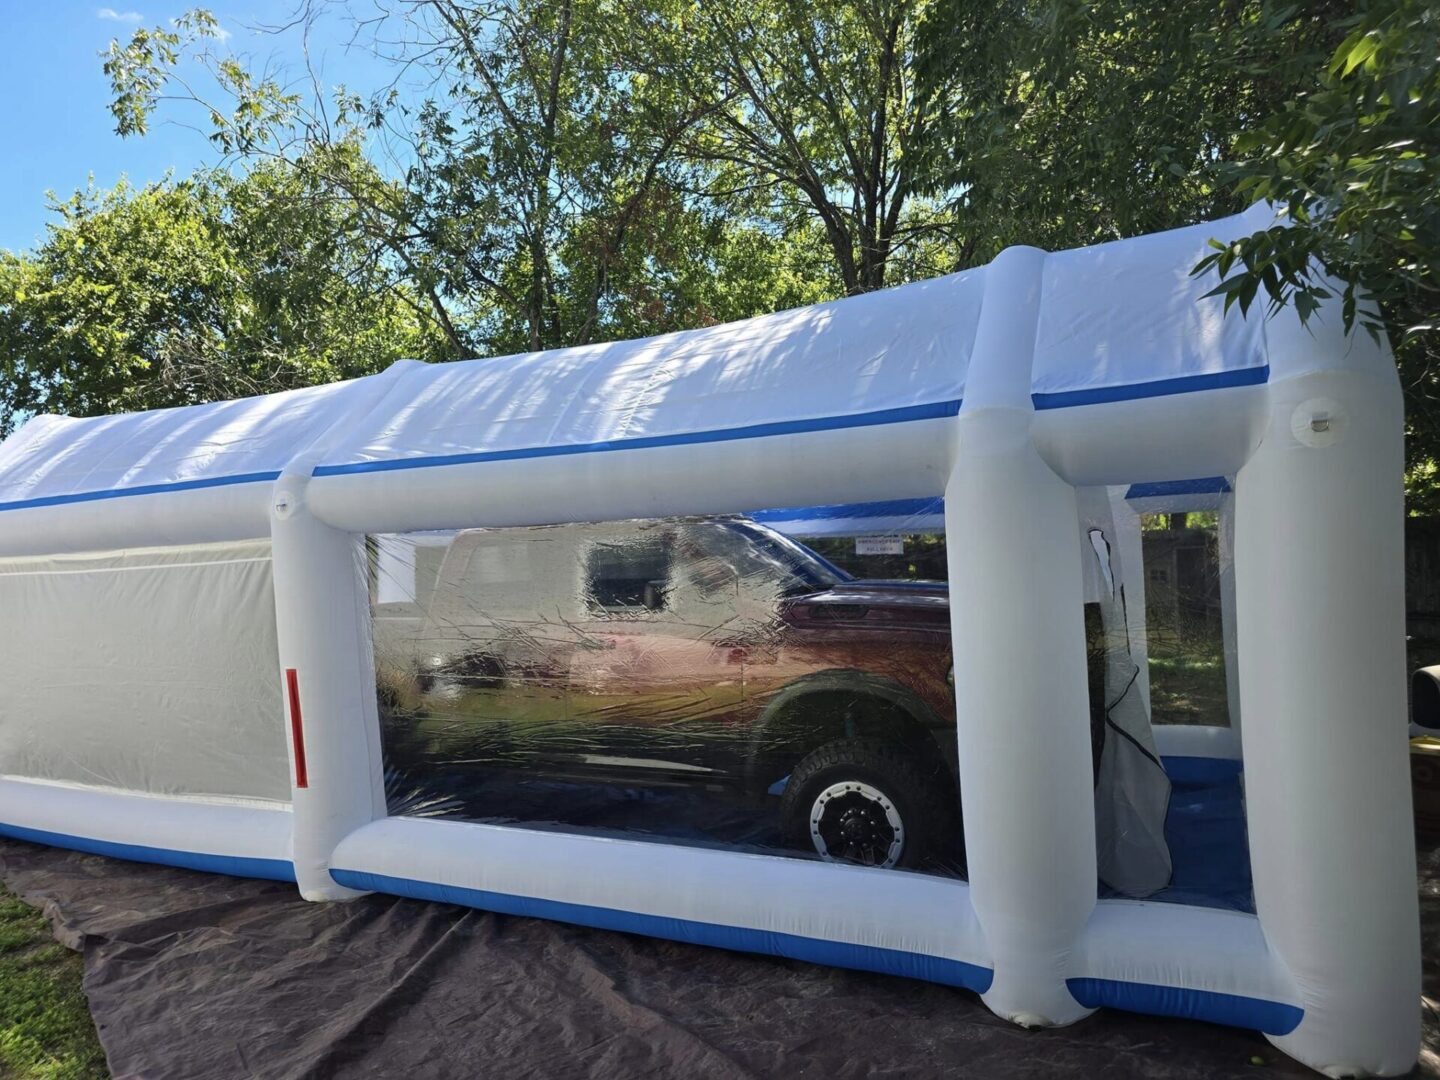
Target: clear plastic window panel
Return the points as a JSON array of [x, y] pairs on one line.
[[1190, 643], [774, 682], [1187, 576], [713, 682]]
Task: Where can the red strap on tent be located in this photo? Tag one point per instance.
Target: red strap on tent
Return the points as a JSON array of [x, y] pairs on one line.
[[297, 731]]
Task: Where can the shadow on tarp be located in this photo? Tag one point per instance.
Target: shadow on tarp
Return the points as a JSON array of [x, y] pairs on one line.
[[202, 976]]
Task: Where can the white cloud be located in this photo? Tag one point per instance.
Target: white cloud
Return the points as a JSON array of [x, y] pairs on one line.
[[221, 34], [119, 16]]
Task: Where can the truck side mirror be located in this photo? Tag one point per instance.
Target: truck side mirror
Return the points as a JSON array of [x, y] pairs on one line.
[[1425, 698]]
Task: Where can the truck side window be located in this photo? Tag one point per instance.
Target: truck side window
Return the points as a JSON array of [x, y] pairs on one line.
[[630, 576]]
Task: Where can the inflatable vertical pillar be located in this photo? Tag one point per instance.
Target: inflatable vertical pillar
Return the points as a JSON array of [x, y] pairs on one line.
[[322, 617], [1319, 566], [1017, 625]]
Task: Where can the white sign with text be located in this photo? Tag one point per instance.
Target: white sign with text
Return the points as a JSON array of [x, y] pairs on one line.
[[879, 545]]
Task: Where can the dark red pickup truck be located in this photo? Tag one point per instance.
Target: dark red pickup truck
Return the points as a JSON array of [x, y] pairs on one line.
[[682, 652]]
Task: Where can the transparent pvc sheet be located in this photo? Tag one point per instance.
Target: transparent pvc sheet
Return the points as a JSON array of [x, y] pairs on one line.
[[1190, 641], [904, 539], [148, 670], [718, 682], [1187, 564], [709, 682]]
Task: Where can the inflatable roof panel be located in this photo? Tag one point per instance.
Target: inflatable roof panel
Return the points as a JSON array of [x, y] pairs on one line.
[[1118, 320]]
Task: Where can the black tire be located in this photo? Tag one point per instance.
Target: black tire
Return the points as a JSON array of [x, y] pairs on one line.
[[918, 793]]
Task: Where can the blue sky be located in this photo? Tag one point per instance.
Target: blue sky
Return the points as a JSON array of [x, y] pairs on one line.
[[57, 130]]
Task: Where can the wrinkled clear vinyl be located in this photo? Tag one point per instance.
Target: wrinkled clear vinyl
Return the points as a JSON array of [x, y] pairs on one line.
[[720, 682], [697, 681]]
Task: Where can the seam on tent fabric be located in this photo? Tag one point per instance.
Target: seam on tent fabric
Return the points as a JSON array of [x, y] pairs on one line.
[[1235, 1010], [743, 939], [120, 569], [236, 865], [1184, 384], [145, 489]]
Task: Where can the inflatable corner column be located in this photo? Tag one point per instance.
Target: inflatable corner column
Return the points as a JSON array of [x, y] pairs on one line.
[[322, 616], [1319, 565], [1021, 696]]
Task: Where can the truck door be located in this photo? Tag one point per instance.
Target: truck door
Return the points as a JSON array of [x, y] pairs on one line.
[[649, 681]]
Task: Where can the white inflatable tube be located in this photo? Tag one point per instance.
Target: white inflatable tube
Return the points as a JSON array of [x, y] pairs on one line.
[[875, 920], [1206, 433], [1176, 960], [202, 514], [247, 839], [883, 460], [1321, 614], [322, 618], [885, 457], [1021, 697]]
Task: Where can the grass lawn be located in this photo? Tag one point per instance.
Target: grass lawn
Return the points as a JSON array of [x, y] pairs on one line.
[[45, 1028], [1188, 690]]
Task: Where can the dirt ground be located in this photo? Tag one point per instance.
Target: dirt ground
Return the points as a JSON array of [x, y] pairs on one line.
[[200, 976]]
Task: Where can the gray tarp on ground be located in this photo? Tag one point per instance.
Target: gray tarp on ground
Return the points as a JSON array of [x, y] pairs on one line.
[[197, 976]]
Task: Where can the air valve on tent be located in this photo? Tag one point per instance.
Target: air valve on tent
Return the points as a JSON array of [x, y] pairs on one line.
[[1319, 422]]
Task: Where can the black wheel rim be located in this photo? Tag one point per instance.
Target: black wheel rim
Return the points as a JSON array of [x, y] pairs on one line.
[[854, 822]]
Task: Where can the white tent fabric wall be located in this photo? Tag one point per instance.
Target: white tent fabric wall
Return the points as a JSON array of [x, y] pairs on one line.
[[1006, 388], [89, 638]]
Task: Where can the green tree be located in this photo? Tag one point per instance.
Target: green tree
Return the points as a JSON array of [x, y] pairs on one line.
[[815, 117], [184, 291], [539, 198], [1353, 165], [1115, 117]]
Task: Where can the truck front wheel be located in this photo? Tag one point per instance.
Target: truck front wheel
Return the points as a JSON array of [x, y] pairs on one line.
[[872, 803]]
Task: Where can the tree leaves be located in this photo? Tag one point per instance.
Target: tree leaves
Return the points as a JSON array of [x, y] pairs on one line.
[[186, 291], [1352, 162], [584, 169]]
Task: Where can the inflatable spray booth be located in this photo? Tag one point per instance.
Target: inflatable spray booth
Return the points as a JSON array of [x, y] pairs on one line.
[[528, 634]]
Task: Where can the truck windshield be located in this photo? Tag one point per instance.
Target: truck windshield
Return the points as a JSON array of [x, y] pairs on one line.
[[749, 549]]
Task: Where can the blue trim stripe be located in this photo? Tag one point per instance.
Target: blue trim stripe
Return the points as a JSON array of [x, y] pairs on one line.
[[1203, 485], [814, 950], [934, 411], [235, 865], [1185, 384], [844, 511], [931, 411], [1258, 1014], [1207, 771], [146, 489]]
